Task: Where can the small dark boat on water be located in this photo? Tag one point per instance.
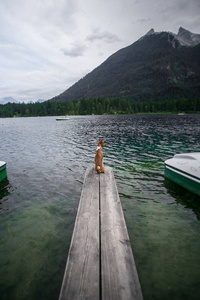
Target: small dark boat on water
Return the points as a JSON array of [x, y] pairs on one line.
[[62, 119]]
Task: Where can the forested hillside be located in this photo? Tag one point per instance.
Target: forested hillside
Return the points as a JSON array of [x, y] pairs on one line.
[[100, 106]]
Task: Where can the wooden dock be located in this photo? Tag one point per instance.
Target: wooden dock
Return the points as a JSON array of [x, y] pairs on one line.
[[100, 263]]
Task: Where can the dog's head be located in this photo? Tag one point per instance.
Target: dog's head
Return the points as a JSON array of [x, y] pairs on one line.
[[101, 143]]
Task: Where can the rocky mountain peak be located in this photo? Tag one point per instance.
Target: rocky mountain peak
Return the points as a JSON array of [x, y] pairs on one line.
[[151, 31], [183, 38], [187, 38]]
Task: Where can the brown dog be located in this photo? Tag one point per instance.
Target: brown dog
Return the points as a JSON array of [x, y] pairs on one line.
[[99, 157]]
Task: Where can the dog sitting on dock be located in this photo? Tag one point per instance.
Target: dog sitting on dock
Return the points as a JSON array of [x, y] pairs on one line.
[[99, 157]]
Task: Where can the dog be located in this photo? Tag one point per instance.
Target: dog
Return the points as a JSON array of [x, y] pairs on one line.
[[99, 157]]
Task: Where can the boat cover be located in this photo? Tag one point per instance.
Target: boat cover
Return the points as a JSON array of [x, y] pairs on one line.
[[188, 164]]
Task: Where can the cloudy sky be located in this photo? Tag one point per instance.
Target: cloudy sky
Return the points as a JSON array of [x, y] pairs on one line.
[[48, 45]]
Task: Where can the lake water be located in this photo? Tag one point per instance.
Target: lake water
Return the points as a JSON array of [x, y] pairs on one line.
[[46, 164]]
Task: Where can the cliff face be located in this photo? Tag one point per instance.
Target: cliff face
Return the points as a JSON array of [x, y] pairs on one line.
[[187, 38], [155, 63]]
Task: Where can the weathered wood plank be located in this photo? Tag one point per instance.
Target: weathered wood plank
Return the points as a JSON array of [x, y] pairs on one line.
[[119, 277], [81, 278]]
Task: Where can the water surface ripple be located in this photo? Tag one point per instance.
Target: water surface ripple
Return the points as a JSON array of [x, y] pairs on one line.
[[46, 164]]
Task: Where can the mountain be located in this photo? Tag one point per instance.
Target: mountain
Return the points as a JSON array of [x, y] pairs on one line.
[[6, 100], [40, 100], [158, 63]]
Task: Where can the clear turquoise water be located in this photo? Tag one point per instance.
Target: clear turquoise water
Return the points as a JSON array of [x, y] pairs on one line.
[[46, 163]]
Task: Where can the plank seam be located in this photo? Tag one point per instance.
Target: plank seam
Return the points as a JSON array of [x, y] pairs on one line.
[[100, 275]]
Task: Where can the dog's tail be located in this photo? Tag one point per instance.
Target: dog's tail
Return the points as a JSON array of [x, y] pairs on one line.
[[98, 168]]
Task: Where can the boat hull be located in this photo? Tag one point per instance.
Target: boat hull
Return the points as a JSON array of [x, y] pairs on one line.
[[3, 172], [184, 169], [182, 180]]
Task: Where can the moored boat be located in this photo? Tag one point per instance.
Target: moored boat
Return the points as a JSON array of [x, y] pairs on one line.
[[3, 172], [62, 118], [184, 169]]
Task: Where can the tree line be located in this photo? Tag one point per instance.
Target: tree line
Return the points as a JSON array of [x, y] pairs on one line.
[[99, 106]]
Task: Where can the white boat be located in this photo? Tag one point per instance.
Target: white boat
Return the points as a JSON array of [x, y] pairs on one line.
[[62, 118], [184, 169]]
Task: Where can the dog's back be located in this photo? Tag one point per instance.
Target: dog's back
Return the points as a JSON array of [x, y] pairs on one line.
[[99, 157], [99, 161]]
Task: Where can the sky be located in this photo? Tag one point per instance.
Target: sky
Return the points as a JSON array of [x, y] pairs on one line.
[[48, 45]]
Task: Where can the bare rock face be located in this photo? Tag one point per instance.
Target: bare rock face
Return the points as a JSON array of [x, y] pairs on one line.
[[187, 38]]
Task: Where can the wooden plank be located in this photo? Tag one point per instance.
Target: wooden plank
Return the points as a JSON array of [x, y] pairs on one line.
[[81, 278], [119, 279]]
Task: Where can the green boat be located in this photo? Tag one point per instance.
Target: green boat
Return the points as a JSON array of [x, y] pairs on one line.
[[184, 169], [3, 173]]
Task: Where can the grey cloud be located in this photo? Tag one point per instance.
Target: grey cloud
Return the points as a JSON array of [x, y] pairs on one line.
[[142, 20], [105, 36], [74, 51], [42, 38]]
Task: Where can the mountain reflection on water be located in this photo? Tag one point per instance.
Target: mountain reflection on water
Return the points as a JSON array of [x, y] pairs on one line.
[[46, 164]]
